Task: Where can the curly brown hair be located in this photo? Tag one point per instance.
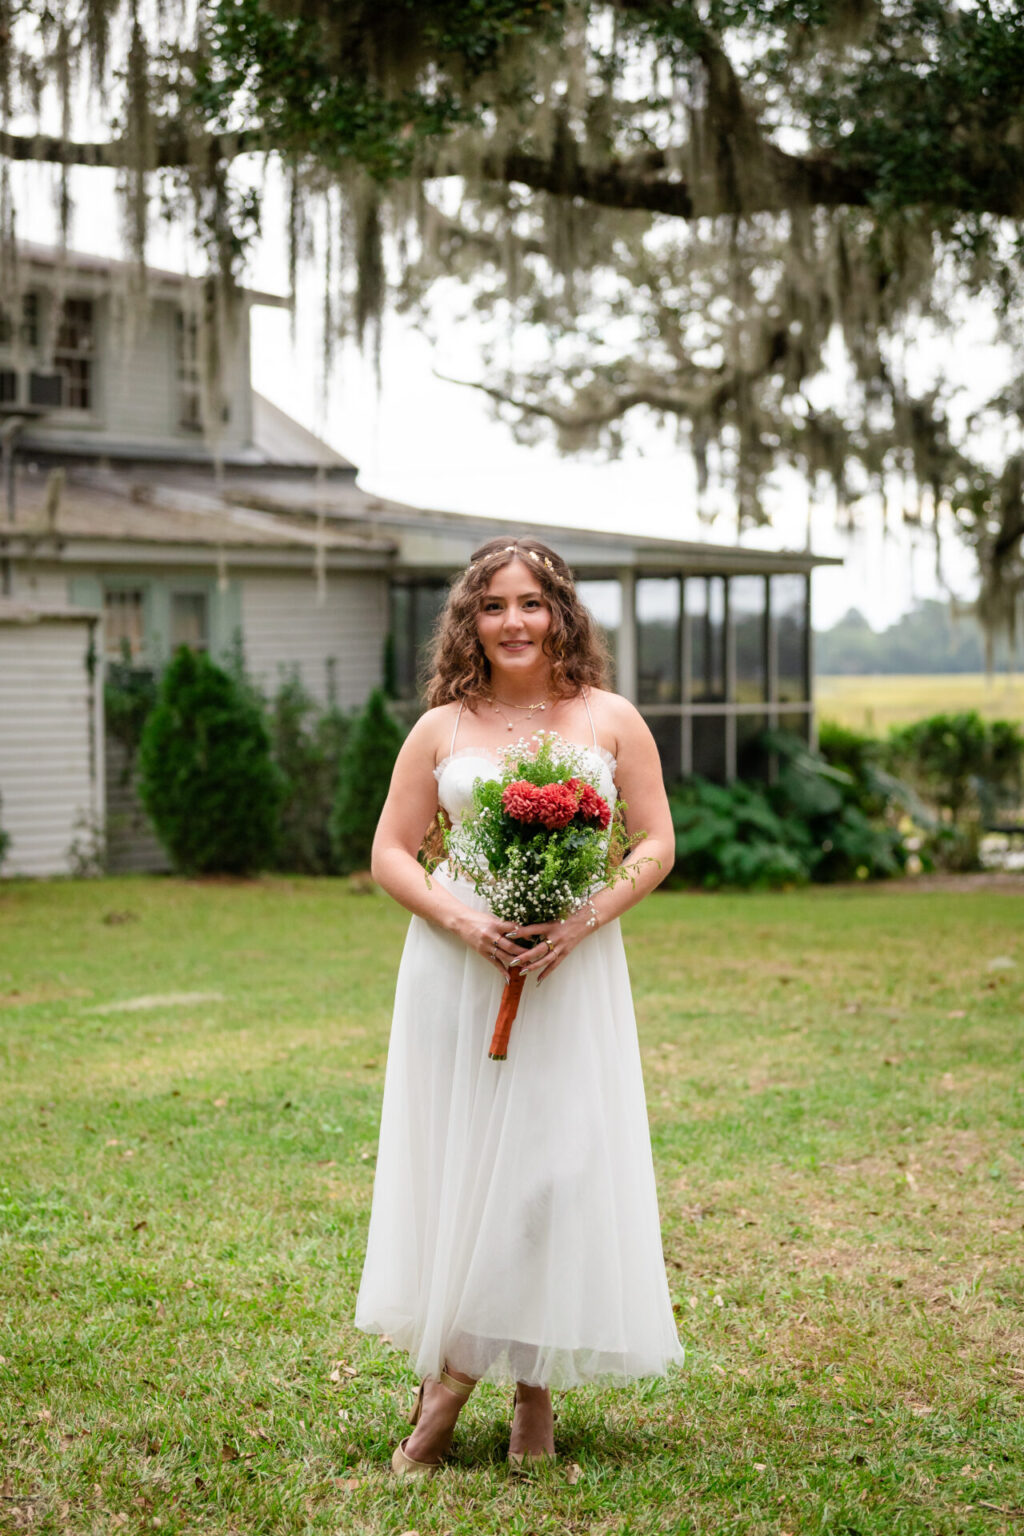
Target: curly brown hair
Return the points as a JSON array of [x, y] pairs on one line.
[[461, 671]]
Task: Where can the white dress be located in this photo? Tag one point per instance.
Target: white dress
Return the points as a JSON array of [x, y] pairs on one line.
[[514, 1232]]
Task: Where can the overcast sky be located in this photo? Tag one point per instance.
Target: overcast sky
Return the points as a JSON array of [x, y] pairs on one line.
[[427, 442]]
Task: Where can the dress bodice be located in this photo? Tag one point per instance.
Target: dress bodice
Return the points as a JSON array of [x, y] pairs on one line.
[[458, 772]]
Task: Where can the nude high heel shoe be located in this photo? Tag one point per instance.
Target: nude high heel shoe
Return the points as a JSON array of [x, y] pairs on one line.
[[403, 1465], [523, 1461]]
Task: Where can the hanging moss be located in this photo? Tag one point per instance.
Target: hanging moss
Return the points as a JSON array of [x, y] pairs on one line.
[[689, 206]]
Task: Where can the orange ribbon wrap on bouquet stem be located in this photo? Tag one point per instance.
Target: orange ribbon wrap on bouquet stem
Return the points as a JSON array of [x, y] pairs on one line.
[[506, 1013]]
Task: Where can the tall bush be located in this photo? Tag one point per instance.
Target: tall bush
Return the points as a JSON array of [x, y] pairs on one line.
[[206, 774], [363, 779], [307, 743], [966, 768]]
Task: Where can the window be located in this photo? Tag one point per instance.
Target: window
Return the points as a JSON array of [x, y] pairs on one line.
[[73, 354], [190, 415], [189, 620], [123, 624], [27, 334], [414, 609]]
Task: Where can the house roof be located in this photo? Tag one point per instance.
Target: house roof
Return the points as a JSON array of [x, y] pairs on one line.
[[85, 263], [281, 440], [108, 508], [17, 612]]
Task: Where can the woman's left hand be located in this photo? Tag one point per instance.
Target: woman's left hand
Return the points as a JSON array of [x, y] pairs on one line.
[[552, 942]]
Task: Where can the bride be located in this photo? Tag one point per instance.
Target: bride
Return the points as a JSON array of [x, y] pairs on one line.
[[514, 1234]]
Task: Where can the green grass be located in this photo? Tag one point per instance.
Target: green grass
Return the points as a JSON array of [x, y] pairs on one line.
[[836, 1109], [873, 704]]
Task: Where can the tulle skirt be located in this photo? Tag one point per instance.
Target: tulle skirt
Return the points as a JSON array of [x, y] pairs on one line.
[[514, 1231]]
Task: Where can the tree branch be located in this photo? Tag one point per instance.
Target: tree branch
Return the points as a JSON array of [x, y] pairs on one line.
[[793, 181], [174, 150]]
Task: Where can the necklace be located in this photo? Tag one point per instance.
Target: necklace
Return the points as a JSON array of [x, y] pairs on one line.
[[529, 709]]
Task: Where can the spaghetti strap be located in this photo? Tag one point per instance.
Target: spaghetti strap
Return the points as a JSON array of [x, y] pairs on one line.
[[455, 728], [590, 717]]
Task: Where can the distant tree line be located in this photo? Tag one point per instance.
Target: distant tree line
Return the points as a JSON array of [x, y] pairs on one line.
[[928, 639]]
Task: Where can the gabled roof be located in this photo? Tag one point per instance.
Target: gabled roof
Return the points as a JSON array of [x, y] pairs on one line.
[[281, 440]]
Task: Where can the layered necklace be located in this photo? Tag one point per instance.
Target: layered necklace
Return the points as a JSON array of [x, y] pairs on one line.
[[500, 705]]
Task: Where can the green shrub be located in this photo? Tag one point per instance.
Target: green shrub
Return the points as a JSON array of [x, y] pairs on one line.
[[363, 779], [207, 779], [968, 769], [732, 836], [851, 820], [307, 744], [944, 755], [816, 822]]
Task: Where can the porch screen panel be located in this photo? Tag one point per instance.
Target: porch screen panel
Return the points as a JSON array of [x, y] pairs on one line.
[[789, 621], [667, 732], [747, 607], [708, 749], [752, 759], [603, 597], [657, 640], [798, 722], [705, 620]]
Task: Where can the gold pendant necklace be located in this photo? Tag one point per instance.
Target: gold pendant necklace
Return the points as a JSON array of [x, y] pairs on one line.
[[529, 709]]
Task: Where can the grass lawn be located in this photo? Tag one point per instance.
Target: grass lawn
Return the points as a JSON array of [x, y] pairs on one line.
[[190, 1083], [873, 704]]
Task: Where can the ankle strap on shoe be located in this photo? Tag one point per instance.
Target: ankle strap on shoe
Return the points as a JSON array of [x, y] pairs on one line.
[[460, 1388]]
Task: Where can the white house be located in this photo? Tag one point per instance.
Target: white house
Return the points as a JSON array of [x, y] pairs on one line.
[[120, 532]]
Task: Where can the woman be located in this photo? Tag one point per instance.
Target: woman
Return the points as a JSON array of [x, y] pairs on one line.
[[515, 1232]]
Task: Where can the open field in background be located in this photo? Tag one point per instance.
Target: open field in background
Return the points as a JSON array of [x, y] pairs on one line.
[[873, 703], [190, 1077]]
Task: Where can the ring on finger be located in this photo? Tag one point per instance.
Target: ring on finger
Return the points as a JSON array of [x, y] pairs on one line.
[[551, 947]]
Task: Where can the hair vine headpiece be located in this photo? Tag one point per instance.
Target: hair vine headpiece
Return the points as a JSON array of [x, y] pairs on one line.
[[513, 549]]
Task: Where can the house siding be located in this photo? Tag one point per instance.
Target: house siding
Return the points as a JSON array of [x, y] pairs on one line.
[[342, 638], [50, 758]]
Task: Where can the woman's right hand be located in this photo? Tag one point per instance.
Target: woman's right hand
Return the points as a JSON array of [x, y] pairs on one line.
[[492, 938]]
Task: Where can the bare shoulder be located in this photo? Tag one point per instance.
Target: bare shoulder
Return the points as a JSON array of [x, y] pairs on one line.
[[616, 717], [432, 733]]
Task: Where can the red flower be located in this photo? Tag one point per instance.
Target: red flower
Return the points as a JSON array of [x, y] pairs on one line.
[[557, 805], [593, 807], [520, 800]]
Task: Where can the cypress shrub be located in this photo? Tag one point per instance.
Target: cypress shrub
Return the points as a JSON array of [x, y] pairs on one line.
[[206, 775], [363, 779]]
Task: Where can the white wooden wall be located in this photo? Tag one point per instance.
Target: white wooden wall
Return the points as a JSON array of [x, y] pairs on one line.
[[285, 628], [50, 755]]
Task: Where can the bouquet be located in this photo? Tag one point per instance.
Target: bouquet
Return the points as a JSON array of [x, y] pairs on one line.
[[539, 842]]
